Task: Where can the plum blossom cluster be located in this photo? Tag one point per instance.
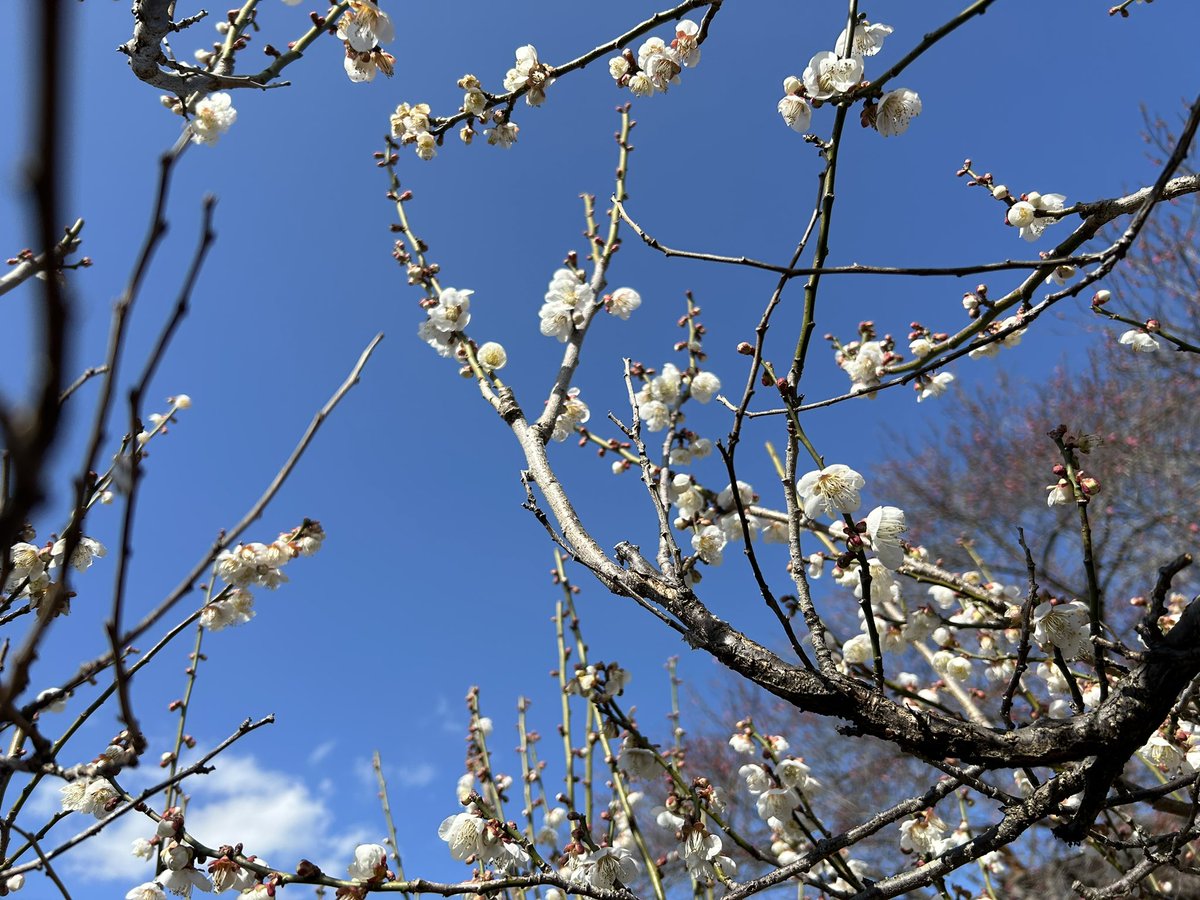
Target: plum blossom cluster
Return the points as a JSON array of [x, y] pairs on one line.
[[473, 837], [574, 413], [657, 65], [530, 75], [663, 392], [567, 304], [448, 315], [684, 815], [1028, 212], [410, 125], [31, 567], [832, 73], [362, 28], [256, 564]]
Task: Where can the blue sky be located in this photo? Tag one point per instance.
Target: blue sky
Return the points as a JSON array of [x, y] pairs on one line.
[[433, 578]]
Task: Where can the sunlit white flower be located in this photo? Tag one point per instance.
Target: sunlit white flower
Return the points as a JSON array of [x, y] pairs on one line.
[[868, 39], [528, 72], [364, 26], [704, 386], [885, 524], [362, 66], [827, 74], [606, 866], [701, 854], [441, 341], [742, 743], [1023, 214], [1065, 626], [685, 44], [15, 882], [862, 362], [502, 134], [655, 414], [370, 863], [922, 835], [1140, 341], [896, 109], [831, 490], [935, 386], [452, 312], [1060, 494], [491, 356], [796, 112], [709, 542], [181, 881], [622, 302], [857, 650], [659, 63], [574, 412], [777, 802], [463, 833], [211, 118], [793, 773], [150, 890], [85, 551], [958, 668]]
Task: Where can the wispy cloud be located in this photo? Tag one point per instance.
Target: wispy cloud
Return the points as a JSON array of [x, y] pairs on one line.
[[276, 815]]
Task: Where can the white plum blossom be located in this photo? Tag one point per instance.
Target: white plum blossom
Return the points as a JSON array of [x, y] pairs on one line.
[[857, 650], [709, 543], [831, 490], [686, 44], [776, 803], [755, 776], [606, 866], [935, 386], [150, 890], [491, 356], [574, 412], [1065, 626], [793, 107], [363, 65], [862, 362], [868, 39], [502, 134], [793, 773], [364, 26], [528, 72], [622, 302], [742, 743], [235, 608], [464, 833], [828, 74], [1060, 494], [885, 524], [370, 863], [452, 312], [701, 854], [923, 835], [958, 668], [1139, 341], [85, 551], [895, 110], [1023, 215], [704, 386], [920, 347], [181, 881], [435, 338], [655, 414], [212, 117], [659, 63]]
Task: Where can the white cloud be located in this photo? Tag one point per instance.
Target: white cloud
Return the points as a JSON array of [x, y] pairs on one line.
[[418, 776], [276, 815], [321, 751]]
